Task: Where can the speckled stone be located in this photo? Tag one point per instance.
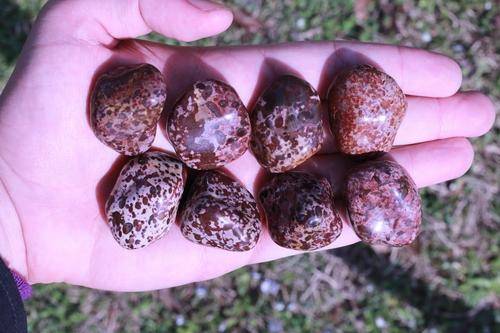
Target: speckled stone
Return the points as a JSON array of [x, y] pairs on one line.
[[366, 108], [209, 126], [300, 211], [143, 203], [383, 203], [220, 212], [125, 107], [287, 126]]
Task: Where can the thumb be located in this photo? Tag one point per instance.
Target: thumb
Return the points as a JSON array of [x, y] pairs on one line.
[[103, 21]]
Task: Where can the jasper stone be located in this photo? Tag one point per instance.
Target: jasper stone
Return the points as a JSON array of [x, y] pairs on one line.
[[220, 212], [209, 126], [143, 203], [383, 203], [287, 126], [300, 211], [366, 108], [125, 107]]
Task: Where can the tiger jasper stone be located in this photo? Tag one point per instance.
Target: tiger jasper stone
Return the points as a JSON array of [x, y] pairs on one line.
[[220, 212], [209, 126], [300, 211], [366, 108], [144, 201], [126, 104], [287, 126], [383, 203]]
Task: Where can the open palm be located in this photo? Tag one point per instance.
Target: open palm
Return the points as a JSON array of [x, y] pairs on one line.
[[57, 174]]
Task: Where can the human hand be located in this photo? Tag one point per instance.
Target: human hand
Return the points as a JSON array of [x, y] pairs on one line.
[[55, 173]]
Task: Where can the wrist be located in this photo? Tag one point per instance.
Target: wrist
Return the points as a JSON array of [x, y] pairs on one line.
[[12, 246]]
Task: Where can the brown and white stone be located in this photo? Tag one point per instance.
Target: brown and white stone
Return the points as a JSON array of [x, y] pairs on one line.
[[300, 211], [366, 108], [287, 126], [220, 212], [144, 201], [126, 104], [209, 126], [383, 203]]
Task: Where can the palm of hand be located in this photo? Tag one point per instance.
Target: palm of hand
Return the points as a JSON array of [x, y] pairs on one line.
[[57, 172]]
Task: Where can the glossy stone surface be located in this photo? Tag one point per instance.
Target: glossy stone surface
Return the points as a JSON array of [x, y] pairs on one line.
[[366, 108], [220, 212], [383, 203], [143, 203], [300, 211], [287, 126], [209, 126], [125, 107]]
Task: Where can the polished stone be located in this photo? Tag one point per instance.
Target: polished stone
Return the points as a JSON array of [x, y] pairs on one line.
[[287, 126], [126, 104], [383, 203], [220, 212], [144, 201], [300, 211], [209, 127], [366, 108]]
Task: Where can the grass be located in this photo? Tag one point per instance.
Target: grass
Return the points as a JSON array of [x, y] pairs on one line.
[[447, 282]]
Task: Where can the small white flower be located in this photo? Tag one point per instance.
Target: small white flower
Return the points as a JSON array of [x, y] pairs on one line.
[[222, 327], [275, 326], [426, 37], [279, 306], [292, 307], [179, 320], [201, 292], [256, 276], [301, 23], [269, 287], [380, 322], [458, 48]]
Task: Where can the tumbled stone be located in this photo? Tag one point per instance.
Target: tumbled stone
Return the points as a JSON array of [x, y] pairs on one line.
[[383, 203], [144, 201], [366, 108], [209, 126], [287, 126], [300, 211], [220, 212], [125, 107]]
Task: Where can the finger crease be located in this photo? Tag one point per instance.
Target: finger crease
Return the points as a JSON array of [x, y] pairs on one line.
[[139, 10], [401, 66], [441, 132]]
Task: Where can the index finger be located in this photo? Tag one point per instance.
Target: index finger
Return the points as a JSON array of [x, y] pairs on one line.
[[418, 72]]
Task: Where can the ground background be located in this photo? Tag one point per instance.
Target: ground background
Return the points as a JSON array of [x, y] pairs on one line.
[[449, 281]]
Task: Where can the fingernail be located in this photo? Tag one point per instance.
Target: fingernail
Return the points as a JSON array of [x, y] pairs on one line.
[[205, 5]]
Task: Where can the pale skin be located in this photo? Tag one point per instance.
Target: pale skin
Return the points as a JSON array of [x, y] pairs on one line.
[[51, 225]]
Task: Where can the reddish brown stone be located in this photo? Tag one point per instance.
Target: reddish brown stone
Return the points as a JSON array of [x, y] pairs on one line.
[[287, 126], [300, 211], [126, 105], [366, 108], [383, 203], [209, 127], [220, 212], [144, 201]]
